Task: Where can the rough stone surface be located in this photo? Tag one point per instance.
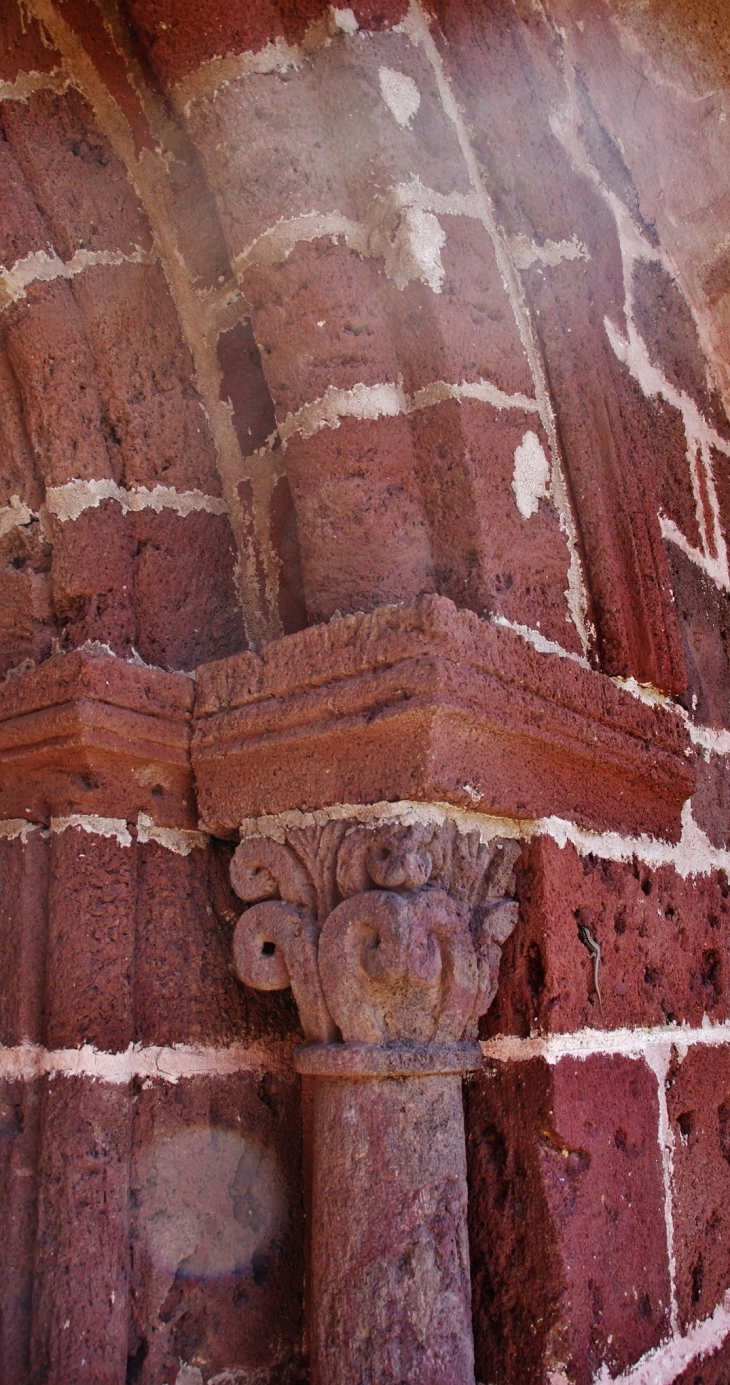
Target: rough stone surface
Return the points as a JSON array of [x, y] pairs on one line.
[[82, 1235], [23, 924], [541, 203], [662, 940], [435, 704], [390, 1278], [565, 1195], [698, 1096], [216, 1228]]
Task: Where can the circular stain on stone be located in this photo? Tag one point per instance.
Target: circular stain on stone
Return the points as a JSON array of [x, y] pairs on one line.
[[207, 1200]]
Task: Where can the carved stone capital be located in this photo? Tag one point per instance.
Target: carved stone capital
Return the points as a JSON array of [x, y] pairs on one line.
[[388, 934]]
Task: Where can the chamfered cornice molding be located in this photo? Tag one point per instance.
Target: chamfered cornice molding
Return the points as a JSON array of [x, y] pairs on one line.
[[90, 733], [426, 702]]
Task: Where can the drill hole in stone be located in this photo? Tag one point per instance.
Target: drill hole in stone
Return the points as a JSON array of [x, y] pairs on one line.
[[268, 949], [686, 1125]]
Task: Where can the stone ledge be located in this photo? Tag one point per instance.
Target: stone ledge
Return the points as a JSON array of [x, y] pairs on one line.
[[427, 702], [90, 733]]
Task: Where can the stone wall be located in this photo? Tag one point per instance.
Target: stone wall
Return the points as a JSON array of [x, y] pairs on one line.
[[307, 312]]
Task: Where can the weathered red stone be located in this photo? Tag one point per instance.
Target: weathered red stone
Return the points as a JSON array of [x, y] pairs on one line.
[[24, 865], [662, 941], [93, 734], [216, 1227], [698, 1096], [568, 1241], [427, 702]]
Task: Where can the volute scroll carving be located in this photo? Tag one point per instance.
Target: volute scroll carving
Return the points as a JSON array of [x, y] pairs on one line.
[[387, 934]]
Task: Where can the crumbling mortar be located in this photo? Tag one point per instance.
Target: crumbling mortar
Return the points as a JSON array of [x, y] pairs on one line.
[[693, 855]]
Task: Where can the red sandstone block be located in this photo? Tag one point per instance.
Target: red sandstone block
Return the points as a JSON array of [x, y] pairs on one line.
[[663, 942], [698, 1096], [607, 431], [507, 76], [321, 138], [85, 19], [22, 230], [327, 317], [50, 359], [27, 625], [92, 576], [217, 1225], [185, 990], [94, 734], [178, 38], [23, 924], [703, 614], [672, 479], [154, 422], [24, 45], [243, 385], [81, 187], [711, 798], [566, 1197], [363, 533], [284, 537], [428, 702], [185, 599], [89, 973], [19, 1119], [81, 1333], [664, 319], [486, 555], [19, 473]]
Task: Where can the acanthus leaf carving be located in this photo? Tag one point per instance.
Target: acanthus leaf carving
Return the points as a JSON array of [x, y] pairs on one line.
[[275, 946], [387, 933]]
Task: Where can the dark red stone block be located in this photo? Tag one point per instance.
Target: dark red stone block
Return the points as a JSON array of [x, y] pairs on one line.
[[81, 186], [22, 230], [92, 577], [703, 613], [698, 1096], [23, 922], [363, 534], [82, 1258], [19, 1120], [86, 20], [217, 1226], [322, 138], [24, 45], [285, 543], [568, 1241], [185, 989], [668, 328], [155, 426], [93, 734], [177, 37], [20, 475], [27, 625], [89, 968], [486, 556], [663, 940], [327, 317], [185, 599], [243, 385], [428, 702], [711, 799], [50, 359]]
